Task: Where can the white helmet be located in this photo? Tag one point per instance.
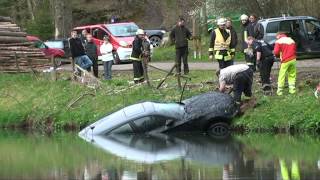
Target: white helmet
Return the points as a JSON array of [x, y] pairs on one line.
[[244, 17], [221, 21], [140, 32]]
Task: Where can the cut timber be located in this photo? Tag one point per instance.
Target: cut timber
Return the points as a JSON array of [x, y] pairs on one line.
[[15, 34], [17, 44], [9, 39], [11, 29]]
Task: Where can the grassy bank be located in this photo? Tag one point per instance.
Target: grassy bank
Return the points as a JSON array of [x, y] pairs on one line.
[[41, 104]]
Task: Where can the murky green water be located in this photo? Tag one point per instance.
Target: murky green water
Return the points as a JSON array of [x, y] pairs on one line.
[[196, 157]]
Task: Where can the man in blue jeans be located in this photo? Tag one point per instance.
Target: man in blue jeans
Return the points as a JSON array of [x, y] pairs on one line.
[[78, 52]]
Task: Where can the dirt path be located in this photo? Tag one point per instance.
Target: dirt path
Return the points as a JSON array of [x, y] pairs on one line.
[[314, 63]]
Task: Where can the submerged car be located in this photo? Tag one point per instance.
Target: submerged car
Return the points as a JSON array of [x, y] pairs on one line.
[[210, 112]]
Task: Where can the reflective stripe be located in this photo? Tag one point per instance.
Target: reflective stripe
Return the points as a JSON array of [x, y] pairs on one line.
[[250, 64], [220, 43], [245, 34], [233, 50], [137, 79], [210, 49], [134, 59], [218, 56]]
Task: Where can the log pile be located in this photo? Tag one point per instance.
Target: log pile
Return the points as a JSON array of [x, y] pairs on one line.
[[16, 53]]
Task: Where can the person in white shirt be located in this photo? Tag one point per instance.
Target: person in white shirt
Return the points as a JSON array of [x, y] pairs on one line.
[[107, 57], [240, 76]]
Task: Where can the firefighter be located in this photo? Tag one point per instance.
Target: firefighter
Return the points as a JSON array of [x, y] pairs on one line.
[[240, 76], [136, 57], [244, 24], [263, 54], [220, 45], [234, 37], [286, 49]]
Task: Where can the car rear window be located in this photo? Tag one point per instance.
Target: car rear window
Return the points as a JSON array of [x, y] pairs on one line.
[[272, 27]]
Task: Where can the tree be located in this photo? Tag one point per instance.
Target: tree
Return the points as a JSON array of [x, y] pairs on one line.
[[62, 18]]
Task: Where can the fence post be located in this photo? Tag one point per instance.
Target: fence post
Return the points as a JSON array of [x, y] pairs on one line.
[[54, 71]]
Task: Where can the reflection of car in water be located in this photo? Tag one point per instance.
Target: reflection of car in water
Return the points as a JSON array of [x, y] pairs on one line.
[[156, 148], [304, 30], [211, 112]]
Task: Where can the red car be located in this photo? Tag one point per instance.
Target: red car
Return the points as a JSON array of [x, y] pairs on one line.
[[49, 52], [121, 36]]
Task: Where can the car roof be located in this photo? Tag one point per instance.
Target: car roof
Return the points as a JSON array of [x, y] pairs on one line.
[[99, 25], [287, 18]]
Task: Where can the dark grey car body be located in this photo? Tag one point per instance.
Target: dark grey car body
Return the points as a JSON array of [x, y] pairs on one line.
[[305, 30], [195, 114]]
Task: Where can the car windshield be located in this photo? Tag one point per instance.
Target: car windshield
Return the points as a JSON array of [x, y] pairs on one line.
[[39, 44], [54, 44], [122, 30]]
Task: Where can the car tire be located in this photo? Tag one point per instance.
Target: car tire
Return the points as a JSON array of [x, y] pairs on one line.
[[155, 41], [219, 129]]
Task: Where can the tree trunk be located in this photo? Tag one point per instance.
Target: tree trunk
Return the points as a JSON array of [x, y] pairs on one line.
[[30, 9], [62, 18]]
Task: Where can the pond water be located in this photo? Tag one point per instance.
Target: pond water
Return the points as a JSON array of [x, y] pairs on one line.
[[159, 157]]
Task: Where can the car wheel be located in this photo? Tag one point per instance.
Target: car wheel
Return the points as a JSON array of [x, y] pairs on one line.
[[219, 129], [155, 41]]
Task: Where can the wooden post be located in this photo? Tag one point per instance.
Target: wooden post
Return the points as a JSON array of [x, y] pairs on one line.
[[170, 72], [16, 60], [54, 71], [145, 69]]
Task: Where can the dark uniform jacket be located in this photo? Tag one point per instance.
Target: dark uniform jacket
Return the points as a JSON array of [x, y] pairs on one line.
[[244, 29], [180, 36], [234, 38], [256, 30], [76, 47], [137, 48], [91, 50], [225, 35], [264, 48]]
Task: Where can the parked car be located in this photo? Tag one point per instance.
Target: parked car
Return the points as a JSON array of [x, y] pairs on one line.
[[121, 36], [210, 112], [57, 53], [305, 30], [62, 44]]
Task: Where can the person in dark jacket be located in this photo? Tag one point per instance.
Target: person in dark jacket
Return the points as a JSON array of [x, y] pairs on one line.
[[234, 37], [255, 29], [78, 53], [262, 52], [180, 36], [92, 53], [137, 48]]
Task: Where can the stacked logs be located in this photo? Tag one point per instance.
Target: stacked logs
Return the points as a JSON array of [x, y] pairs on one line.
[[16, 53]]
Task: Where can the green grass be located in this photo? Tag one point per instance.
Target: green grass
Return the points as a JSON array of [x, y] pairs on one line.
[[41, 102], [24, 98]]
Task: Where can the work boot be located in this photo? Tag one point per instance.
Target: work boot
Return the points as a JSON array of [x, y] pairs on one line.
[[279, 92]]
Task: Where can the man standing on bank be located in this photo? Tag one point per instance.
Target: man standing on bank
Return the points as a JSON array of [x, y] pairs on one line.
[[136, 56], [220, 45], [263, 54], [180, 36], [286, 49]]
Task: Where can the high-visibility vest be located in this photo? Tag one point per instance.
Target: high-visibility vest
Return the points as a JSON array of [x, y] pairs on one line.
[[220, 43]]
